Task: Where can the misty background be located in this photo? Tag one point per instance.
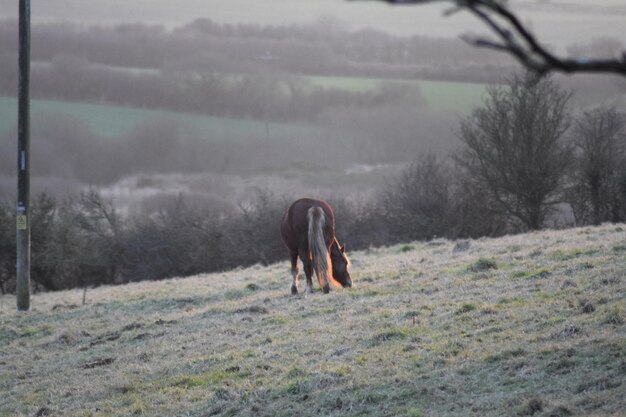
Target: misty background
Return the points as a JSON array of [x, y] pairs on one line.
[[159, 108]]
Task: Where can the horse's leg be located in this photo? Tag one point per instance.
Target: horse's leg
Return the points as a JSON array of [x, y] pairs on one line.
[[308, 272], [294, 272]]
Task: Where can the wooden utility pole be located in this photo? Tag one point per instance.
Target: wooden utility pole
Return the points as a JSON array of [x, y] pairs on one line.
[[23, 162]]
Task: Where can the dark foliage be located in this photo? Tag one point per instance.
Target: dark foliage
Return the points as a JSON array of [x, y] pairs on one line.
[[83, 241], [418, 204], [597, 193], [515, 149]]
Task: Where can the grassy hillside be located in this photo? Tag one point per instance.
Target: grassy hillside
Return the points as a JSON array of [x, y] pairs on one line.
[[516, 326]]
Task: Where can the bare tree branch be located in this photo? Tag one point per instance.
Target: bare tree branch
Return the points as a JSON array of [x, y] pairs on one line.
[[516, 39]]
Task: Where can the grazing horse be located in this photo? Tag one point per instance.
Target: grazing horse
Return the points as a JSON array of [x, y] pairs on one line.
[[308, 230]]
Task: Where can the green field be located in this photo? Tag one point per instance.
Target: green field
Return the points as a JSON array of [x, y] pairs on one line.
[[526, 325], [113, 121], [446, 96]]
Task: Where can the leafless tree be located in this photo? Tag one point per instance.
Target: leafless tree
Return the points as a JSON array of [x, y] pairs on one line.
[[515, 38], [44, 265], [418, 204], [476, 213], [600, 142], [515, 149], [101, 227], [255, 227]]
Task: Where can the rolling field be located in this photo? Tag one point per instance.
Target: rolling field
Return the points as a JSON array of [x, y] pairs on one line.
[[454, 97], [114, 121], [526, 325]]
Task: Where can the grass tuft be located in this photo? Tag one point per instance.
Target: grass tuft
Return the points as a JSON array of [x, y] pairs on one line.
[[534, 406], [540, 273], [504, 356], [461, 246], [466, 308], [411, 314], [294, 387], [586, 306], [388, 335], [615, 316], [619, 248], [415, 412], [407, 248], [482, 264], [532, 274], [566, 255]]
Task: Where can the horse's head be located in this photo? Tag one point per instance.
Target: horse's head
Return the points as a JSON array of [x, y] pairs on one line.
[[341, 264]]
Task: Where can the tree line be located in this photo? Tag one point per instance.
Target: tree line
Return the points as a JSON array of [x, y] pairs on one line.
[[321, 48], [522, 158], [239, 71], [259, 95], [84, 241], [524, 162]]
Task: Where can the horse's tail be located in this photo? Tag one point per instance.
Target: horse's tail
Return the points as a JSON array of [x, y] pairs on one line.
[[317, 246]]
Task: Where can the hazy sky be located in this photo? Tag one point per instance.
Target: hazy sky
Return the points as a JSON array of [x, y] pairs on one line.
[[559, 22]]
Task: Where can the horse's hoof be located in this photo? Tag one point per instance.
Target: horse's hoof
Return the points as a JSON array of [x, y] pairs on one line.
[[326, 289], [294, 290]]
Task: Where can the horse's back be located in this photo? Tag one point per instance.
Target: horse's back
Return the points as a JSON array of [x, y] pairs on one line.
[[294, 226]]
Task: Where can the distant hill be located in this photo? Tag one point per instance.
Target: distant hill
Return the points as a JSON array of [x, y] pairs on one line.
[[526, 325], [561, 22]]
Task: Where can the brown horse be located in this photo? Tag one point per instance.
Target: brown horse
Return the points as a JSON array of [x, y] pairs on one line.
[[308, 230]]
